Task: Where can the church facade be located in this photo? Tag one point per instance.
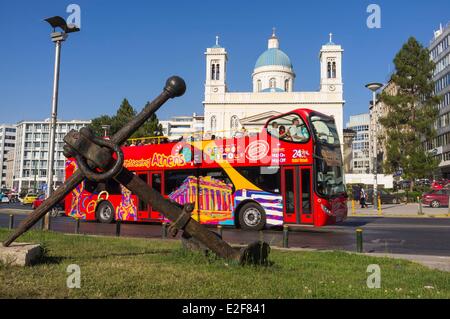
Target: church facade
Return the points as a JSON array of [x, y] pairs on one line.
[[273, 90]]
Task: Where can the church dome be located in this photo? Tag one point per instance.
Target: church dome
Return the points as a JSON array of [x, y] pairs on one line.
[[273, 56]]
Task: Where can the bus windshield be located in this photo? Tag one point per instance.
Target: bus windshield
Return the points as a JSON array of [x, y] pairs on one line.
[[329, 172], [330, 177]]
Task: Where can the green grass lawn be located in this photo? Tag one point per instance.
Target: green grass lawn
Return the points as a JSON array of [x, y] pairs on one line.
[[139, 268]]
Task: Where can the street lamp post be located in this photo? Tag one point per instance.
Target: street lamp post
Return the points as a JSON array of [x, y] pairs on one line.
[[374, 87], [57, 37], [106, 130]]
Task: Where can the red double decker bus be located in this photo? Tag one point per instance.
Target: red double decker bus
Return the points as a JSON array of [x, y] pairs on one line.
[[289, 173]]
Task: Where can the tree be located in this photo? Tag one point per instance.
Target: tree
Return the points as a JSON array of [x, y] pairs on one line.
[[97, 123], [411, 113], [124, 114]]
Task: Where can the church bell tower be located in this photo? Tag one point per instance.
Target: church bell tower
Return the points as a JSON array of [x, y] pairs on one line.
[[216, 70], [331, 67]]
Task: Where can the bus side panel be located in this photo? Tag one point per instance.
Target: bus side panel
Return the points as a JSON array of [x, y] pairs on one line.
[[80, 204], [125, 205], [214, 201], [271, 203]]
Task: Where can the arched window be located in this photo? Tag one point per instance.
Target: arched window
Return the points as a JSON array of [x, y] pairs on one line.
[[213, 123], [329, 70], [258, 85], [217, 71], [213, 71], [234, 123], [286, 85], [272, 83], [333, 70]]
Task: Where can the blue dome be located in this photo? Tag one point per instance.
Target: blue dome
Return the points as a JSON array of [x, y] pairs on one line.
[[273, 56]]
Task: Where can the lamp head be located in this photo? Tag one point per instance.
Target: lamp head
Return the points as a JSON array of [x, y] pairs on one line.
[[374, 86], [59, 22]]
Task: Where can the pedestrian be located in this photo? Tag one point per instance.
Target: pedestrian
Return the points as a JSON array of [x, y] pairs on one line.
[[363, 197]]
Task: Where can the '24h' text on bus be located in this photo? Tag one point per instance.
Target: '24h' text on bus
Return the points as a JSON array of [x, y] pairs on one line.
[[289, 173]]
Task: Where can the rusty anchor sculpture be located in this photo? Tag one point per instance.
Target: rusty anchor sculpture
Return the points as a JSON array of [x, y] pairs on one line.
[[96, 162]]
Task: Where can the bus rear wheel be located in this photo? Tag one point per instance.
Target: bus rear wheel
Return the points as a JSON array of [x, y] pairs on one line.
[[252, 217], [105, 212]]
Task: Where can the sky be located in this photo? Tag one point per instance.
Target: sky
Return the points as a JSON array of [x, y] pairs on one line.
[[127, 49]]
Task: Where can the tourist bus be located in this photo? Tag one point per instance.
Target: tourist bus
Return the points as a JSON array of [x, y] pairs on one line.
[[291, 172]]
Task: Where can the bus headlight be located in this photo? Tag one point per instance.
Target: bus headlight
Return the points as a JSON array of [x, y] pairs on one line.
[[326, 210]]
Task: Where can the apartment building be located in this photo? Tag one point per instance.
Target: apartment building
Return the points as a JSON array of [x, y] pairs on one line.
[[7, 144], [31, 153]]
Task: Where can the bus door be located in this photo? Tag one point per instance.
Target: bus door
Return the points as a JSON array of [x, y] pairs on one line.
[[296, 191], [156, 182]]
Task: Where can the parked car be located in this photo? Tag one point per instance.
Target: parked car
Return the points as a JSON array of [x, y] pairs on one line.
[[436, 198], [437, 185], [40, 199], [385, 196], [4, 198], [13, 197], [423, 182], [29, 199]]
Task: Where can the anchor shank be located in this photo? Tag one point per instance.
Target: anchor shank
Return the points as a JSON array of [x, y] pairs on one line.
[[48, 204]]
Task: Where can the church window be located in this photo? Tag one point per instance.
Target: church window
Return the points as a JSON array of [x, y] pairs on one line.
[[333, 70], [213, 123], [217, 71], [272, 83], [329, 70], [286, 85], [234, 123]]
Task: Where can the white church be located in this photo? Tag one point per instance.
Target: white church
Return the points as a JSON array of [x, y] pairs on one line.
[[273, 90]]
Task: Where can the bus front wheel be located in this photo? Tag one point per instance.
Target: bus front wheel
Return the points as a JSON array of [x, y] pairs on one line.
[[252, 217], [105, 212]]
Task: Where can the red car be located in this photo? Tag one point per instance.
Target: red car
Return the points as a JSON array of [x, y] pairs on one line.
[[436, 198], [38, 201]]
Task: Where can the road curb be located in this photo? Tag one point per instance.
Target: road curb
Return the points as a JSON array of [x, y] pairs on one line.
[[7, 211], [400, 216]]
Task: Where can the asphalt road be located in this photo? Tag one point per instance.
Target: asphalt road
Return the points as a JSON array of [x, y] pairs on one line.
[[424, 236]]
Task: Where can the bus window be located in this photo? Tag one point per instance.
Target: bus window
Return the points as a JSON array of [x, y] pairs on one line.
[[156, 182], [325, 130], [174, 179], [266, 178], [289, 127], [110, 186], [218, 174]]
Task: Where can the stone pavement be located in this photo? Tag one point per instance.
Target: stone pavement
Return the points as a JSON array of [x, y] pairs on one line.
[[432, 262], [398, 210]]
